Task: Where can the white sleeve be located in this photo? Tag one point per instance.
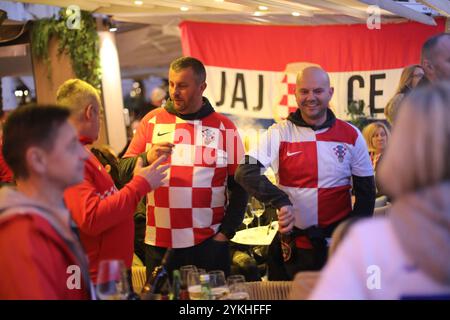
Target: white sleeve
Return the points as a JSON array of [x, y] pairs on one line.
[[344, 275], [267, 150], [361, 164]]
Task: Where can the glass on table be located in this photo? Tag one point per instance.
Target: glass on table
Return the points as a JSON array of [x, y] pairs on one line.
[[257, 207], [238, 288], [219, 288], [248, 216], [235, 278], [239, 291], [112, 280], [194, 285], [184, 271]]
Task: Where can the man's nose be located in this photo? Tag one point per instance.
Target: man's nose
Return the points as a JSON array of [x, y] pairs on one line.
[[310, 95]]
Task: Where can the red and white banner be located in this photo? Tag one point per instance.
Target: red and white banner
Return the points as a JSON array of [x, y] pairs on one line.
[[251, 69]]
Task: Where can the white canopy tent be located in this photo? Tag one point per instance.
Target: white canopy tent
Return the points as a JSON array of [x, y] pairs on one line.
[[148, 35]]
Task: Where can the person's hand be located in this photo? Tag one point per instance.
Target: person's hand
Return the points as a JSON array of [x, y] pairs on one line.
[[154, 173], [159, 149], [220, 237], [286, 219]]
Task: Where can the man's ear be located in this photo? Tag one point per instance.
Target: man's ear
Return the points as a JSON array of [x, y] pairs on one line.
[[427, 66], [203, 86], [36, 160], [89, 111], [331, 91]]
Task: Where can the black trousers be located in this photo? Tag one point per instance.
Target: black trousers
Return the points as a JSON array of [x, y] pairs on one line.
[[209, 255], [303, 260]]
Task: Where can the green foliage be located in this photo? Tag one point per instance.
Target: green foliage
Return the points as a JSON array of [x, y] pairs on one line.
[[356, 111], [82, 45]]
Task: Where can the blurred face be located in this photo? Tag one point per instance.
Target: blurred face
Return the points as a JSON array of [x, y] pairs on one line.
[[65, 162], [379, 140], [313, 94], [439, 68], [185, 92], [417, 76]]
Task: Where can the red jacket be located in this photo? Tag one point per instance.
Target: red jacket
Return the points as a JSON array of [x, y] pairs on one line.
[[34, 259], [105, 215]]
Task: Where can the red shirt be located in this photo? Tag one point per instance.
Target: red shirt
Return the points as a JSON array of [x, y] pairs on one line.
[[34, 261], [105, 215], [6, 174]]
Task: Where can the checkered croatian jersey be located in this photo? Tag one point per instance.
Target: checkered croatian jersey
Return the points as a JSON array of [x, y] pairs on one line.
[[190, 205], [314, 168]]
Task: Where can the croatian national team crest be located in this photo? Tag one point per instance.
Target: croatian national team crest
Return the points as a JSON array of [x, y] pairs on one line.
[[208, 136], [340, 151]]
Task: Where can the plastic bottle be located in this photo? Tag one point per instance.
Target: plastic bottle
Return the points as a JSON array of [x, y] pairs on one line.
[[205, 287]]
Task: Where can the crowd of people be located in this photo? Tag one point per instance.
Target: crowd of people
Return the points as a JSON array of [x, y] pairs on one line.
[[186, 168]]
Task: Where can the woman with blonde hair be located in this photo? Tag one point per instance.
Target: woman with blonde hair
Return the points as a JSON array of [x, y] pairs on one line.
[[405, 256], [411, 75], [376, 135]]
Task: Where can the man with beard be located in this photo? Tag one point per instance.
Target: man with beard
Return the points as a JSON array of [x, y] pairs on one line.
[[199, 207], [315, 156]]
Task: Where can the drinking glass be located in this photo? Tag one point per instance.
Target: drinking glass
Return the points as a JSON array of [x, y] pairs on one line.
[[248, 216], [112, 281], [219, 288], [184, 271], [194, 286], [238, 288], [235, 278], [257, 208]]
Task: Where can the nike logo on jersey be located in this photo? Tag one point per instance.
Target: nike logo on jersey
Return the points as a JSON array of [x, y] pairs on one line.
[[293, 153], [161, 134]]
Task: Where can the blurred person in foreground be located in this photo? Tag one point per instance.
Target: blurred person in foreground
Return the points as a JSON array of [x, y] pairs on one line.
[[41, 256], [305, 282], [408, 255]]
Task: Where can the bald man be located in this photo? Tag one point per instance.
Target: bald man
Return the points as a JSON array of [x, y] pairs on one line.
[[436, 58], [315, 157]]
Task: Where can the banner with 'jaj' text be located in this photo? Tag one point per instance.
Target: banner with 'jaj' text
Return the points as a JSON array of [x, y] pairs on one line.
[[251, 69]]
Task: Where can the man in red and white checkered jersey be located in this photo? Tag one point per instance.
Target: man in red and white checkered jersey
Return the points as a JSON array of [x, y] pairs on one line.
[[315, 156], [192, 212]]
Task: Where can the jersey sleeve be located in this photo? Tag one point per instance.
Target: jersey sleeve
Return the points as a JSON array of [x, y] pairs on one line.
[[361, 165], [267, 150]]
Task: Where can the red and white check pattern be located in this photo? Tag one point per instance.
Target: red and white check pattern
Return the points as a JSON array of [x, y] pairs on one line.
[[190, 205], [309, 170], [287, 102], [108, 193]]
